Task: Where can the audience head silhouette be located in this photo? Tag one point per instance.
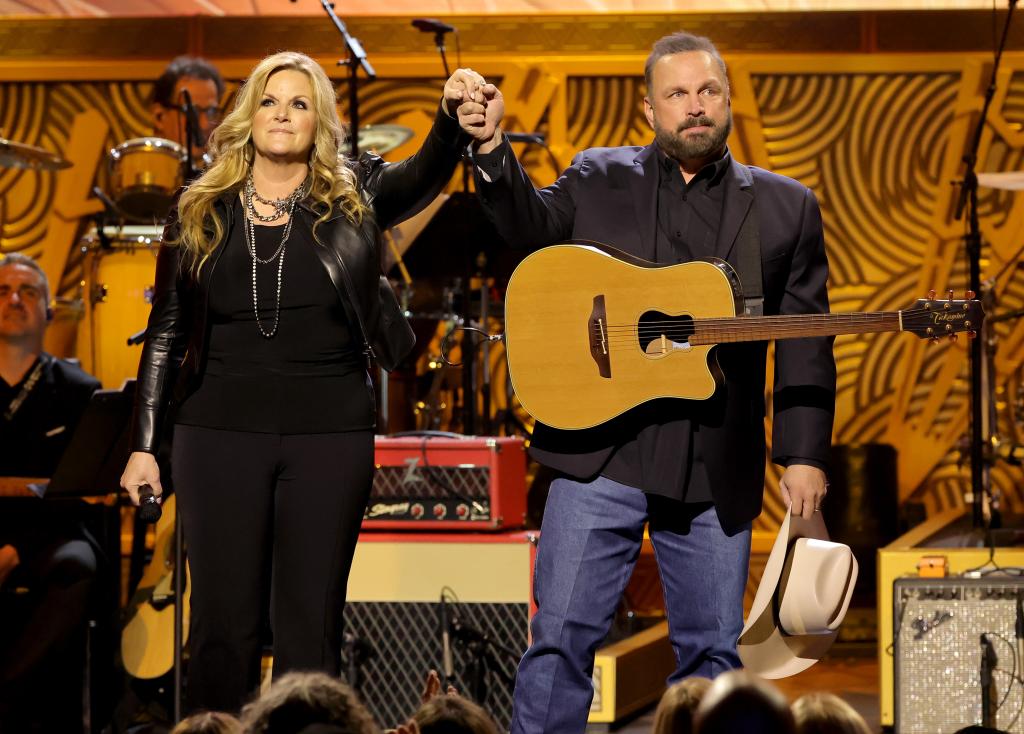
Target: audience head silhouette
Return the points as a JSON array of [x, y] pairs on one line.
[[739, 701], [674, 714], [453, 715], [826, 713], [300, 700]]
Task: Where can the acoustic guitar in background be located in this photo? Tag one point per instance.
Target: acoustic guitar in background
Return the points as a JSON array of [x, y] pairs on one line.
[[147, 642], [591, 332]]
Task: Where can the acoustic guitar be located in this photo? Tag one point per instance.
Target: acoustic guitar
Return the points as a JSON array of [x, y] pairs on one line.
[[147, 642], [591, 332]]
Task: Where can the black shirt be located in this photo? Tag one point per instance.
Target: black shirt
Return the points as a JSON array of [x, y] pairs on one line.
[[33, 439], [688, 220], [310, 377]]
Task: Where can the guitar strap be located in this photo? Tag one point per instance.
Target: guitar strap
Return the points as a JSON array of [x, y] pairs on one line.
[[748, 262]]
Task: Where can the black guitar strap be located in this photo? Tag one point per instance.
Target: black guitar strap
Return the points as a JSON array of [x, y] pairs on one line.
[[748, 262]]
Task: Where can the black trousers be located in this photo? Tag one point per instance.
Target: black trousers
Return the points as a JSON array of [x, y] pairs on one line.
[[253, 501]]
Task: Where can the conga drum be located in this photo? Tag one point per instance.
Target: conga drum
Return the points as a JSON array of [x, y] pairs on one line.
[[120, 265]]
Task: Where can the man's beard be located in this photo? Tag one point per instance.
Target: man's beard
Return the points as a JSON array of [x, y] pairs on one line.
[[693, 147]]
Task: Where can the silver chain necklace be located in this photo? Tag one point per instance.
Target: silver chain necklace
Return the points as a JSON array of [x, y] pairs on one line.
[[250, 230], [280, 205]]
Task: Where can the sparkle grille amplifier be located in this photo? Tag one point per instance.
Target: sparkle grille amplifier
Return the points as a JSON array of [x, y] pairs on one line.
[[939, 666], [471, 483]]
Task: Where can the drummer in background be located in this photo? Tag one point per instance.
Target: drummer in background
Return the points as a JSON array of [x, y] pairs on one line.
[[42, 638], [204, 84]]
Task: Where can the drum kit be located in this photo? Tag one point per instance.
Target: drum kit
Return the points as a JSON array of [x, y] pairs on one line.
[[119, 250]]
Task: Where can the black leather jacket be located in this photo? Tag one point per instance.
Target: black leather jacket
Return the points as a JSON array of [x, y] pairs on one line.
[[174, 354]]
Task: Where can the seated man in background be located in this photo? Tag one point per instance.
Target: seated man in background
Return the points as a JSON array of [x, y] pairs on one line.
[[48, 568]]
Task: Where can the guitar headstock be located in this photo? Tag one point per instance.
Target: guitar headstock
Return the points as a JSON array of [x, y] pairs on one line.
[[933, 318]]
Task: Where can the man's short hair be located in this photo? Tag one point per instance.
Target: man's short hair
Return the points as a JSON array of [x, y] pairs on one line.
[[16, 258], [183, 67], [680, 43]]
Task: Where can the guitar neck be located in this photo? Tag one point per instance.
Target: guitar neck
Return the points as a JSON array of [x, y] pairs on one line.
[[763, 328]]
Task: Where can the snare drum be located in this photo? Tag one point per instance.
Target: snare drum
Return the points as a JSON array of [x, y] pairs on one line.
[[118, 293], [144, 175]]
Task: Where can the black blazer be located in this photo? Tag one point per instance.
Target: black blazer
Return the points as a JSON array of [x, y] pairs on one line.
[[174, 354], [610, 195]]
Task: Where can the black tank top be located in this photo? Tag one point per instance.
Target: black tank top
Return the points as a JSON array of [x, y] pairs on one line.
[[310, 377]]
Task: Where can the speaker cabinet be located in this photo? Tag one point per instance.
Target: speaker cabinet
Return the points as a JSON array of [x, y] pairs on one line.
[[394, 611], [938, 625]]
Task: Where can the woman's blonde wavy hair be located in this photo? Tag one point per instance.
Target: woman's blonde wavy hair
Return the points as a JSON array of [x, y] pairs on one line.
[[231, 146]]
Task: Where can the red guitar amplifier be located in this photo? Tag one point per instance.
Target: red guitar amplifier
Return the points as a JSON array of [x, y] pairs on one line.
[[471, 483]]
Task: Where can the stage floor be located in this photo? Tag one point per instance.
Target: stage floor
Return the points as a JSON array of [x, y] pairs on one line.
[[852, 675]]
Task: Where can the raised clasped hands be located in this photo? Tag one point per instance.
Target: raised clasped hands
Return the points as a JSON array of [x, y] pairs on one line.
[[480, 109]]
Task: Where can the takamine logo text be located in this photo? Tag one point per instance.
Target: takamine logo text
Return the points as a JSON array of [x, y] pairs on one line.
[[949, 316]]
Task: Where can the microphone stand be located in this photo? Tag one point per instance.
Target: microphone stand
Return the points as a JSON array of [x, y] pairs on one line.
[[180, 572], [191, 135], [439, 42], [356, 60], [972, 241]]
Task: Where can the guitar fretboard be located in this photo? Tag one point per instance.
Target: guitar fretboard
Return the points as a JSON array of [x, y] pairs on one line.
[[759, 328]]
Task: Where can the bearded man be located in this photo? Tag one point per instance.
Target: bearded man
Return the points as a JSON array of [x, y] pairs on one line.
[[692, 470]]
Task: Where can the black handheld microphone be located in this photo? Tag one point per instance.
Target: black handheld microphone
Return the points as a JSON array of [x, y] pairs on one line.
[[432, 25], [149, 507]]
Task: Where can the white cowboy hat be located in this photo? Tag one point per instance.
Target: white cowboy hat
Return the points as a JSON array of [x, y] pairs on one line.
[[800, 602]]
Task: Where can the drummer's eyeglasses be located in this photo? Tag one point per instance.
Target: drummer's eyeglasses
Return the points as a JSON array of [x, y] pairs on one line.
[[213, 113]]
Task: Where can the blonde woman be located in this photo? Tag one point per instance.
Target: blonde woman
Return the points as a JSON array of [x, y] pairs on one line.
[[268, 302]]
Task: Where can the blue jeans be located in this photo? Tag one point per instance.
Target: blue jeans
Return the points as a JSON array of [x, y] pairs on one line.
[[590, 540]]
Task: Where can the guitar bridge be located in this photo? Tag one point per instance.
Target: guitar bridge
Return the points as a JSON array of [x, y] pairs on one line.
[[598, 330]]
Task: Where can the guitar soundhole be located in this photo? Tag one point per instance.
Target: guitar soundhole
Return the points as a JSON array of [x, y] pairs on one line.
[[660, 333]]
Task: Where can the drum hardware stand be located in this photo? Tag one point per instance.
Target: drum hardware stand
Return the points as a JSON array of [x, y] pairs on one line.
[[485, 348], [968, 199], [356, 60], [190, 171], [109, 212]]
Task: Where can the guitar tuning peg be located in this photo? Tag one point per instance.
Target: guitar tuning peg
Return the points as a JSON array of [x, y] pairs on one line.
[[931, 295], [969, 295], [952, 337], [950, 298], [972, 334]]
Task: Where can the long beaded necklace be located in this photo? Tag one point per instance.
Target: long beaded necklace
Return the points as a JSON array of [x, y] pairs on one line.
[[281, 207]]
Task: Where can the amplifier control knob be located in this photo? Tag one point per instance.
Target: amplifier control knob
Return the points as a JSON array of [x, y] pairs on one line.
[[440, 511], [416, 511], [462, 511]]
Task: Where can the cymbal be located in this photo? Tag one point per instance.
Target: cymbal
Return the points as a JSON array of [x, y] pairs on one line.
[[19, 155], [381, 139], [1006, 180]]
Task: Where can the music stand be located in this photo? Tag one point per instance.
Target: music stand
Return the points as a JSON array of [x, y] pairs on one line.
[[92, 463]]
